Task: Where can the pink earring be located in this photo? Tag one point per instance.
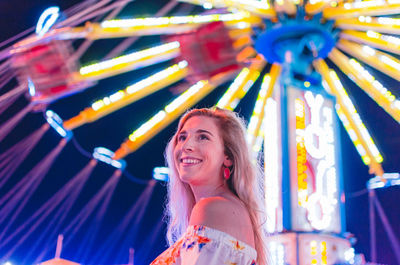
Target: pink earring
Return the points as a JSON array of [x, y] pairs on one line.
[[227, 173]]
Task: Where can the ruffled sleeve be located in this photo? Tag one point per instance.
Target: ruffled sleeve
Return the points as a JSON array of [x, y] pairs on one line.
[[201, 245]]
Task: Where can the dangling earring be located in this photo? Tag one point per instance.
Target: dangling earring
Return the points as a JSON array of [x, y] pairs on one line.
[[227, 173]]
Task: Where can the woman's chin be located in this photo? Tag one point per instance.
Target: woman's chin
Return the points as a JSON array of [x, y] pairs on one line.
[[186, 178]]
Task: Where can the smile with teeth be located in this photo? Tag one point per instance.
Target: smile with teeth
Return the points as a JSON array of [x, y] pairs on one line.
[[190, 161]]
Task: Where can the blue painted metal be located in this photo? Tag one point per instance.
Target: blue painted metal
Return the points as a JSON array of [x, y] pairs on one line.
[[303, 39], [286, 191], [296, 42], [339, 168]]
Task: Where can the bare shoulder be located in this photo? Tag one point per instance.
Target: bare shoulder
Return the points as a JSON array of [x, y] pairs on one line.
[[226, 215]]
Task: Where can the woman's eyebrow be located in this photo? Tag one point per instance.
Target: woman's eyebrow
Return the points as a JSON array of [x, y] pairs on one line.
[[204, 131]]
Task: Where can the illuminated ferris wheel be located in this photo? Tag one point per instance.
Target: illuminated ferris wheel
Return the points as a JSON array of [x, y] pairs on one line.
[[288, 45]]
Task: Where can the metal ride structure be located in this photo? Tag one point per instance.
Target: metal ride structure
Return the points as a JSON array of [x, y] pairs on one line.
[[289, 46]]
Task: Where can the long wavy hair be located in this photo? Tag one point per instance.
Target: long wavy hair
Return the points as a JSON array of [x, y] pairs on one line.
[[245, 181]]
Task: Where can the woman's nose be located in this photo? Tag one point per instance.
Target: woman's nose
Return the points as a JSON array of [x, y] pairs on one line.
[[188, 144]]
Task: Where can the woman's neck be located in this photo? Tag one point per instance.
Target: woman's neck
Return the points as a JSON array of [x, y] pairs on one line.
[[201, 192]]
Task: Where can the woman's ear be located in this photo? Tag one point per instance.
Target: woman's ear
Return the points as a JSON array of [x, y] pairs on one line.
[[227, 162]]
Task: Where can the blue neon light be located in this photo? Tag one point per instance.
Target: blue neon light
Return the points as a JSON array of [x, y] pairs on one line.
[[161, 173], [57, 124], [105, 155], [387, 180], [31, 88], [47, 19]]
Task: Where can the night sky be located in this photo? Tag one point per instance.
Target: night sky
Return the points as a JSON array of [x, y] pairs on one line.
[[148, 236]]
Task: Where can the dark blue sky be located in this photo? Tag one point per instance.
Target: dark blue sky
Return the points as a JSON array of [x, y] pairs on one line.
[[18, 15]]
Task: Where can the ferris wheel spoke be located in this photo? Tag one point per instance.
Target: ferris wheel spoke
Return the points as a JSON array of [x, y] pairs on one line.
[[384, 42], [87, 43], [169, 113], [363, 8], [129, 62], [286, 6], [241, 84], [368, 83], [352, 122], [362, 23], [126, 43], [254, 128], [316, 6], [131, 94], [379, 60], [157, 25], [261, 8]]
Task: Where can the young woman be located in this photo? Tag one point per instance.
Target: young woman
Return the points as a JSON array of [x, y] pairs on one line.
[[215, 206]]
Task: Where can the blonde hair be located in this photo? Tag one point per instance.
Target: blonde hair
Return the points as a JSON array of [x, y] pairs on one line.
[[245, 180]]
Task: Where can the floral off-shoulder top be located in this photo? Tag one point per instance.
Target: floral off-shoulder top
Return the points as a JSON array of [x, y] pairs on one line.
[[202, 245]]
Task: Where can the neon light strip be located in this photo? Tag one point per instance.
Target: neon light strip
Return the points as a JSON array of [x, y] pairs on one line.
[[47, 19], [228, 101], [254, 126], [346, 102], [368, 83], [364, 23], [366, 8], [373, 38], [352, 122], [286, 6], [271, 167], [164, 117], [277, 253], [170, 108], [120, 99], [257, 117], [242, 83], [301, 152], [176, 20], [261, 8], [133, 60], [379, 60], [316, 6]]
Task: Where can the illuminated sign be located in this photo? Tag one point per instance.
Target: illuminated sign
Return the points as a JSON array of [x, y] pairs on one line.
[[314, 179]]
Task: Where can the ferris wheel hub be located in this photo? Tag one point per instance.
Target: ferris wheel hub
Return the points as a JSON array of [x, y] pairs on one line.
[[292, 41]]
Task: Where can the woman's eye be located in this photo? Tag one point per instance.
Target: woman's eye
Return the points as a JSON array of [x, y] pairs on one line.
[[181, 138], [203, 137]]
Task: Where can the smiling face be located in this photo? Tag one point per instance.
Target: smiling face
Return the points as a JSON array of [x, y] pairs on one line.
[[199, 152]]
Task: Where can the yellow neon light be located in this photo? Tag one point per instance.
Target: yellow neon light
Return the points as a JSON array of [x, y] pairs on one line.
[[324, 258], [242, 83], [228, 96], [352, 122], [131, 61], [316, 6], [366, 8], [165, 116], [286, 6], [171, 107], [148, 125], [261, 8], [313, 246], [269, 80], [109, 104], [157, 25], [373, 38], [364, 23], [379, 60], [302, 192], [368, 83], [175, 20]]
